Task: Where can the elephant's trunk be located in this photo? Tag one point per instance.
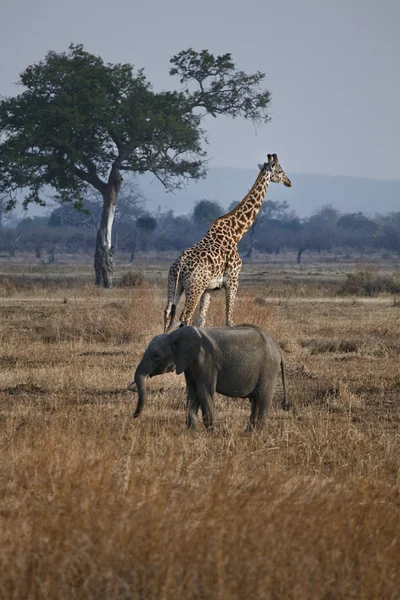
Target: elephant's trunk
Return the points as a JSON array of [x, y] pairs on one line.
[[140, 380]]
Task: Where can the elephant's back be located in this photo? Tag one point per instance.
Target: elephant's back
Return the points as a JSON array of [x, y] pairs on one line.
[[247, 340]]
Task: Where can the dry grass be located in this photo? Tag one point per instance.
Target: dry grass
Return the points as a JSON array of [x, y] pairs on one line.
[[95, 505], [368, 281]]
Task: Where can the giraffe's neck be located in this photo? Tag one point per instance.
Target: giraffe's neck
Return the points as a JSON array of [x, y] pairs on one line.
[[240, 219]]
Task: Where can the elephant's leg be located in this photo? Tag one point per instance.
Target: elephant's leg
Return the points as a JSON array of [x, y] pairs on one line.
[[257, 415], [207, 409], [204, 304], [260, 403], [205, 386], [192, 404]]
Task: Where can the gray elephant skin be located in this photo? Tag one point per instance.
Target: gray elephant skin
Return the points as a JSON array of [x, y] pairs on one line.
[[241, 361]]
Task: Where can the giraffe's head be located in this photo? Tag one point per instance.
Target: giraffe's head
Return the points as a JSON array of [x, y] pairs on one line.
[[278, 175]]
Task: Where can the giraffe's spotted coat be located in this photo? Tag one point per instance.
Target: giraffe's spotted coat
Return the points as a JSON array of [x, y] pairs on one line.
[[214, 261]]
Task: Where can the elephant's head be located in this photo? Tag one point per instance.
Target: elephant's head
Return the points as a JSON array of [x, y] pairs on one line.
[[166, 352]]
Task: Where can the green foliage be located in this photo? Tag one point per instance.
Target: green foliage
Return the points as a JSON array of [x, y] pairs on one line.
[[271, 209], [67, 215], [222, 89], [146, 223], [205, 211], [320, 231], [358, 222], [32, 223], [389, 232], [80, 121]]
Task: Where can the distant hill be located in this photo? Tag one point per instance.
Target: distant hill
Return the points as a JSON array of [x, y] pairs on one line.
[[309, 192]]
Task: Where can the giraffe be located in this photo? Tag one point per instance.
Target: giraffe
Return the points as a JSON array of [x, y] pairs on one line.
[[214, 262]]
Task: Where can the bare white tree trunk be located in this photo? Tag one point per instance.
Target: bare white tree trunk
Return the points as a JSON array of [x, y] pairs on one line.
[[104, 254]]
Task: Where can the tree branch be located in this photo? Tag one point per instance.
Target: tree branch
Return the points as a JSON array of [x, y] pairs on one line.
[[91, 178]]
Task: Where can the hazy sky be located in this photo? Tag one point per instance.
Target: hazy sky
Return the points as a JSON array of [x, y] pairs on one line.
[[332, 67]]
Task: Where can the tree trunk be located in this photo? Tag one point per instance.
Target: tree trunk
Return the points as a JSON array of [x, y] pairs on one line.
[[300, 252], [52, 257], [14, 241], [104, 254]]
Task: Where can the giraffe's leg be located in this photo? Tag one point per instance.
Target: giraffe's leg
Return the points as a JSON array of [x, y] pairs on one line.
[[231, 288], [192, 300], [167, 314], [204, 304]]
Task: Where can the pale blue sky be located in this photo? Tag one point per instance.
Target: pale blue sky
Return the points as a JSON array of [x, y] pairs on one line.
[[332, 68]]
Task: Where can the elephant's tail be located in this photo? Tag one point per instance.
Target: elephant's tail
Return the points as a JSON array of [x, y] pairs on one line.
[[285, 402]]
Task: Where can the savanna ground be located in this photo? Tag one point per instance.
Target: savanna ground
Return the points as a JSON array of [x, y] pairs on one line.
[[96, 505]]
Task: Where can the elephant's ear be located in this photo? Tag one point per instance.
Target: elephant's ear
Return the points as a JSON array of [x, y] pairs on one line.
[[186, 344]]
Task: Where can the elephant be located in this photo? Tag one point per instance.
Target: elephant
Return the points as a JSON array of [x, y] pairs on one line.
[[241, 361]]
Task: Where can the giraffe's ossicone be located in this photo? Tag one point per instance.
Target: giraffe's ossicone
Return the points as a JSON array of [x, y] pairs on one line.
[[214, 262]]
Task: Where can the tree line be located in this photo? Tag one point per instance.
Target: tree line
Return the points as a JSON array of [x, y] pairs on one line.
[[68, 230]]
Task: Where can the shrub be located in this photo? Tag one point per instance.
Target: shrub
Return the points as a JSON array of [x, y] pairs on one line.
[[369, 283], [132, 279]]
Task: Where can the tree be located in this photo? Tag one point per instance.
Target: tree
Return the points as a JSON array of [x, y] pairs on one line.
[[5, 214], [81, 122], [35, 234], [9, 238], [67, 215], [130, 205], [389, 235], [174, 232], [129, 209], [358, 230], [274, 234], [268, 219], [204, 212], [276, 210], [145, 226], [358, 222], [271, 219], [321, 229]]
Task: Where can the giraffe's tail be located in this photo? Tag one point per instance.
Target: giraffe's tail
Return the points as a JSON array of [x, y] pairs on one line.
[[173, 294], [176, 279]]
